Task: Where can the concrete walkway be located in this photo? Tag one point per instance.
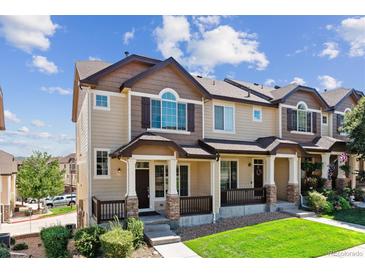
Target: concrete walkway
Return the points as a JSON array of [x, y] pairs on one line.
[[36, 225], [350, 226], [176, 250]]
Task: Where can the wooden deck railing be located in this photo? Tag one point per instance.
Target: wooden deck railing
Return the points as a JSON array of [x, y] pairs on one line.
[[106, 210], [195, 205], [243, 196]]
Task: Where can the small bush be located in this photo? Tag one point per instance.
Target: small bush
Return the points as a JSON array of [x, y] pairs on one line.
[[344, 203], [4, 252], [136, 227], [328, 209], [12, 241], [117, 243], [55, 240], [20, 246], [87, 241], [359, 194], [317, 201]]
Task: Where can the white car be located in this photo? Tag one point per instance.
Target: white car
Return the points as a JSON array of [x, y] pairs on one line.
[[68, 199]]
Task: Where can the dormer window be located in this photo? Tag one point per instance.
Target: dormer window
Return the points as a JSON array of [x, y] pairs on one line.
[[168, 113]]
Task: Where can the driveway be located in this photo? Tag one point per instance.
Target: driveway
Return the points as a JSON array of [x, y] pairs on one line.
[[37, 225]]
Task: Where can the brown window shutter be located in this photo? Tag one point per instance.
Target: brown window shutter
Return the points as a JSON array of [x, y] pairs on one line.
[[289, 116], [309, 122], [146, 105], [191, 117], [294, 125], [314, 122]]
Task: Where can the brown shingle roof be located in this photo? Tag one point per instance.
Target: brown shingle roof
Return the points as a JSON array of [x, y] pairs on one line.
[[8, 164], [87, 68], [333, 97]]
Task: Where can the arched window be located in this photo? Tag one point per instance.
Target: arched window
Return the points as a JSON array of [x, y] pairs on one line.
[[168, 112], [304, 118]]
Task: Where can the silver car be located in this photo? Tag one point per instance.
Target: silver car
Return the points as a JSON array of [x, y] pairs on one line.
[[68, 199]]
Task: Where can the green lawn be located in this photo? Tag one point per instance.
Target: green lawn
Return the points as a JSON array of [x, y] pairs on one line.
[[353, 215], [287, 238], [55, 211]]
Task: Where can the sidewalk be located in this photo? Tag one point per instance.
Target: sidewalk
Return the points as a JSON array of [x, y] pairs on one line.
[[350, 226], [176, 250]]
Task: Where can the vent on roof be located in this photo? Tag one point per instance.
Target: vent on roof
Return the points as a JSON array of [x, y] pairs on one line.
[[256, 84], [276, 87], [199, 76], [126, 53], [325, 90]]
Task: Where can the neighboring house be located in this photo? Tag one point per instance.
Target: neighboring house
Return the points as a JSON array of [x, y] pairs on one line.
[[235, 147], [68, 164], [8, 170]]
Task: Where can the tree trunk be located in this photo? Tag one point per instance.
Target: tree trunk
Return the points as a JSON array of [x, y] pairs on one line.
[[39, 207]]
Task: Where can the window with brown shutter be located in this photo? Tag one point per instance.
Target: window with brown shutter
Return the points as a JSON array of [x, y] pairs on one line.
[[289, 116], [145, 108], [314, 122], [191, 117], [339, 122]]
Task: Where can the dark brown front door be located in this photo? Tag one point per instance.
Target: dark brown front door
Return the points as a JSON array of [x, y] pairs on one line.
[[142, 187], [258, 177]]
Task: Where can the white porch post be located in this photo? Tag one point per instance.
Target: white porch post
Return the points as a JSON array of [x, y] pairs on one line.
[[215, 186], [325, 164], [171, 189], [271, 193], [293, 171], [354, 167], [131, 191], [340, 173]]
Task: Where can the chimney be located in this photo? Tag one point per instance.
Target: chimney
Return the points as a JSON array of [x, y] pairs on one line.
[[126, 53]]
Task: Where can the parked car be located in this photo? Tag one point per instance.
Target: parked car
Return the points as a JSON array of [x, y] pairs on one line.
[[68, 199]]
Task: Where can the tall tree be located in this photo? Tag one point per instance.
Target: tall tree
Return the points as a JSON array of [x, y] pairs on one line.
[[354, 126], [39, 177]]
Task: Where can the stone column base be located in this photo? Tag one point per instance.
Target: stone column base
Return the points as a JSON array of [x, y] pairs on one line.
[[6, 212], [293, 193], [172, 207], [131, 206], [341, 183], [327, 184], [271, 195]]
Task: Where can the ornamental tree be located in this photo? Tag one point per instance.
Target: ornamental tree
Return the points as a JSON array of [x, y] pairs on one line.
[[39, 177]]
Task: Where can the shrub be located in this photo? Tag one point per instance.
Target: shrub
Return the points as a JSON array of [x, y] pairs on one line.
[[20, 246], [4, 252], [328, 209], [55, 240], [317, 201], [117, 243], [12, 241], [344, 203], [359, 194], [136, 227], [87, 241]]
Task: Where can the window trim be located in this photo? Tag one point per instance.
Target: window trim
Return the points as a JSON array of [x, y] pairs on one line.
[[221, 104], [306, 110], [107, 108], [325, 115], [177, 101], [253, 114], [96, 176]]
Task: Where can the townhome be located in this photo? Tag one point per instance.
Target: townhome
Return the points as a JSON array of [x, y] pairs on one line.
[[68, 165], [234, 147], [8, 170]]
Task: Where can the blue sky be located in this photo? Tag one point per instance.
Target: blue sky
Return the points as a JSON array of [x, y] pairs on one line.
[[38, 54]]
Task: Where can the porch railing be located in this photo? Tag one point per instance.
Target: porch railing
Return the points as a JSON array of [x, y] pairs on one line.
[[243, 196], [106, 210], [195, 205]]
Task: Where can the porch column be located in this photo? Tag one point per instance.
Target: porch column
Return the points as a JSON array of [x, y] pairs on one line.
[[271, 195], [172, 197], [293, 184], [341, 181], [354, 169], [215, 186], [325, 168], [131, 201]]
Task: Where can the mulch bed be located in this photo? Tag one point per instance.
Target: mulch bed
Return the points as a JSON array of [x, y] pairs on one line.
[[188, 233]]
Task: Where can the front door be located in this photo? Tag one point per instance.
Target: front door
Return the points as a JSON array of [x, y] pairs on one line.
[[142, 187], [258, 177]]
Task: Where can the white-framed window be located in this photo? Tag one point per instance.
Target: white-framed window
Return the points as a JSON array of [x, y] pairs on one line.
[[229, 174], [101, 101], [102, 163], [168, 113], [223, 118], [341, 122], [257, 114], [302, 118], [325, 119], [162, 178]]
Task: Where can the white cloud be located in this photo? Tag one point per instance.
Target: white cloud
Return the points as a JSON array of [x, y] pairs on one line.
[[298, 51], [11, 117], [329, 27], [38, 123], [298, 81], [270, 82], [58, 90], [23, 129], [206, 49], [44, 65], [93, 58], [330, 49], [206, 22], [352, 30], [174, 31], [128, 36], [28, 32], [328, 82]]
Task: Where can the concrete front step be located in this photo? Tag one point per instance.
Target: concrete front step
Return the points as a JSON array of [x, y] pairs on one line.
[[156, 227], [154, 219], [298, 213], [161, 237]]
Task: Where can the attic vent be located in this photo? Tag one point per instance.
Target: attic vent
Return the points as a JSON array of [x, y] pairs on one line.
[[276, 87]]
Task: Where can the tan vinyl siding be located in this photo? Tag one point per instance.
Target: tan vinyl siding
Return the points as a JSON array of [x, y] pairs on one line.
[[168, 77], [192, 138], [199, 178], [245, 128]]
